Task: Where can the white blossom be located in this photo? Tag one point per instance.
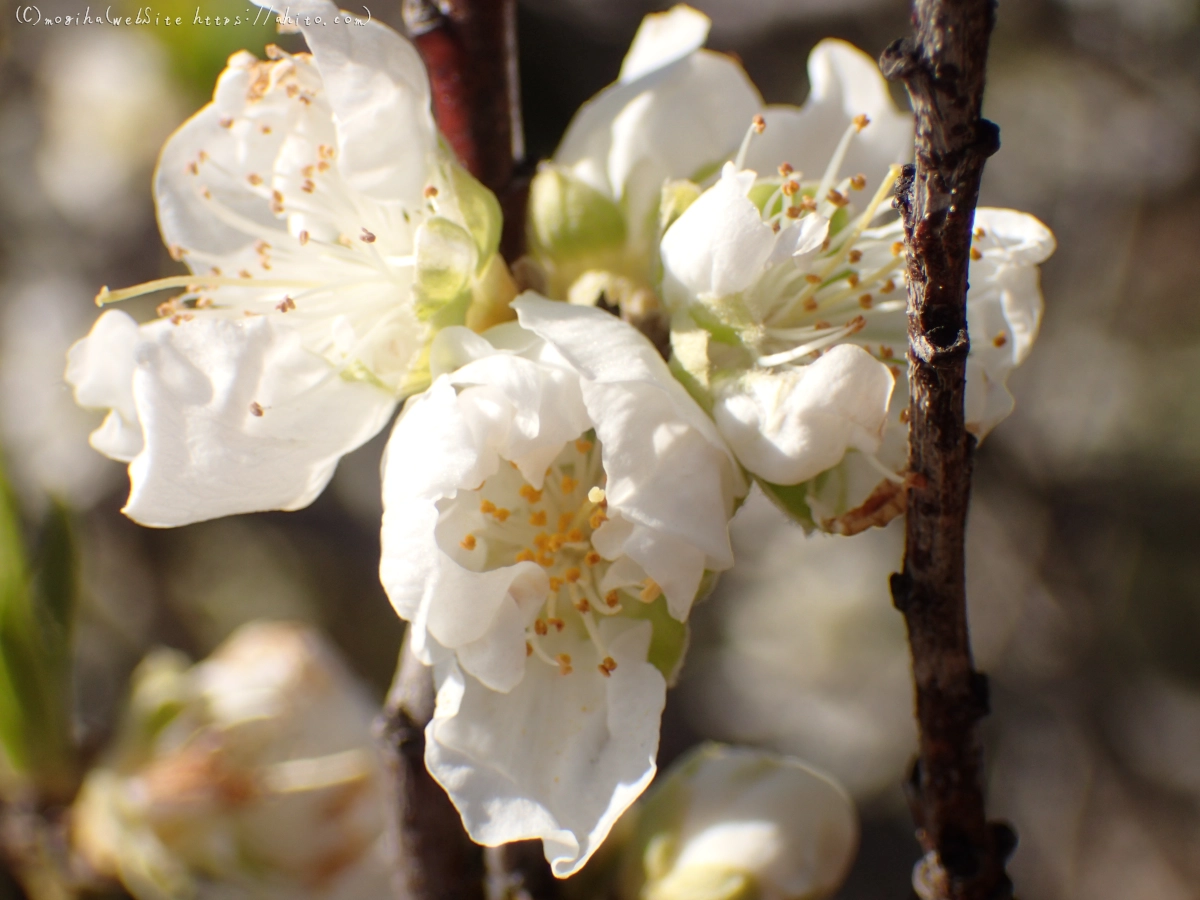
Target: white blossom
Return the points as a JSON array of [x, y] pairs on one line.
[[249, 775], [788, 296], [552, 505], [328, 236]]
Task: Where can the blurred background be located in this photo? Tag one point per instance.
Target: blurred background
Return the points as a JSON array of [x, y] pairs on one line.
[[1084, 541]]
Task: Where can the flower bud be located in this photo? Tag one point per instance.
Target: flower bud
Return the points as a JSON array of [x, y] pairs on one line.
[[733, 823], [568, 218], [251, 774]]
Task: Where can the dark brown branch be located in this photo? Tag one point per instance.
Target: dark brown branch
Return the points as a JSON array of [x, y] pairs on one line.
[[943, 67], [435, 860], [470, 50]]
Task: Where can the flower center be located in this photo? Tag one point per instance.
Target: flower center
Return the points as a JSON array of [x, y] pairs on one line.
[[506, 520]]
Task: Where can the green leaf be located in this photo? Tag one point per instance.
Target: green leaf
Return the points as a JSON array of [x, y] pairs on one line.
[[36, 612]]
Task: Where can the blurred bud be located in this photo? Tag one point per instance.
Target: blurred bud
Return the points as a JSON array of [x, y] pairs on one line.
[[732, 823], [677, 196], [251, 774]]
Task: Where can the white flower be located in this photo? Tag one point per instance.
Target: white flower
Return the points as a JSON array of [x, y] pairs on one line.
[[732, 823], [328, 238], [551, 506], [678, 112], [788, 305], [250, 775]]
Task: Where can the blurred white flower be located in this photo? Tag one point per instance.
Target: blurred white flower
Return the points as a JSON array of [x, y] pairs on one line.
[[733, 823], [551, 507], [250, 775], [109, 103], [329, 237]]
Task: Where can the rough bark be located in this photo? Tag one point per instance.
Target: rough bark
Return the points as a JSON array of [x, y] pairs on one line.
[[943, 67]]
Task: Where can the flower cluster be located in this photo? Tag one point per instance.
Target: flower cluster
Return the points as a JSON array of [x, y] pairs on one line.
[[556, 496]]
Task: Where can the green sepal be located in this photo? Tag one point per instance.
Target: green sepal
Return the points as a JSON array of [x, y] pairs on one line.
[[792, 499], [569, 219], [481, 213], [446, 258], [669, 639]]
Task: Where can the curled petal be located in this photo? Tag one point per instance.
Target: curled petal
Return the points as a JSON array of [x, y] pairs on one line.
[[664, 38], [790, 426], [100, 368], [557, 758], [239, 417]]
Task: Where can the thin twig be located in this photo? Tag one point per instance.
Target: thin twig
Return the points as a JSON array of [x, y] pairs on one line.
[[434, 858], [943, 67]]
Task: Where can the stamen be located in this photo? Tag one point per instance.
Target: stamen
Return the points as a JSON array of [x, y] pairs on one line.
[[650, 591], [468, 542], [564, 663], [106, 296], [1000, 340], [757, 125], [854, 326], [887, 473], [596, 494], [256, 409], [607, 666]]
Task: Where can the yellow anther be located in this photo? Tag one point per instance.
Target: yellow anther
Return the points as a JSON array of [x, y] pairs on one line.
[[568, 484], [525, 555], [650, 591], [790, 188], [556, 584], [980, 233], [886, 352], [812, 278], [583, 445], [905, 415], [792, 212], [502, 514], [558, 624], [593, 558], [611, 599], [1000, 340], [888, 287], [897, 248], [821, 323], [545, 560], [866, 301], [367, 237], [785, 169], [564, 663], [583, 605], [808, 203], [861, 121], [597, 519], [540, 626], [564, 522], [245, 273], [810, 304], [607, 666], [976, 253], [528, 649], [760, 124], [852, 279], [431, 191], [538, 518], [468, 543], [596, 495], [837, 198], [574, 536], [487, 506], [858, 182], [854, 256], [572, 575], [530, 493], [556, 542]]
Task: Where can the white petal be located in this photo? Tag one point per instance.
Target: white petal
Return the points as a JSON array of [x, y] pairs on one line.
[[663, 38], [557, 758], [1004, 309], [100, 368], [717, 248], [197, 388], [673, 123], [381, 103], [790, 426], [845, 83]]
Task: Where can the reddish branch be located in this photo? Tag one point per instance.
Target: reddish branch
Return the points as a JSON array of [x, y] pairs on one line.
[[943, 68]]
